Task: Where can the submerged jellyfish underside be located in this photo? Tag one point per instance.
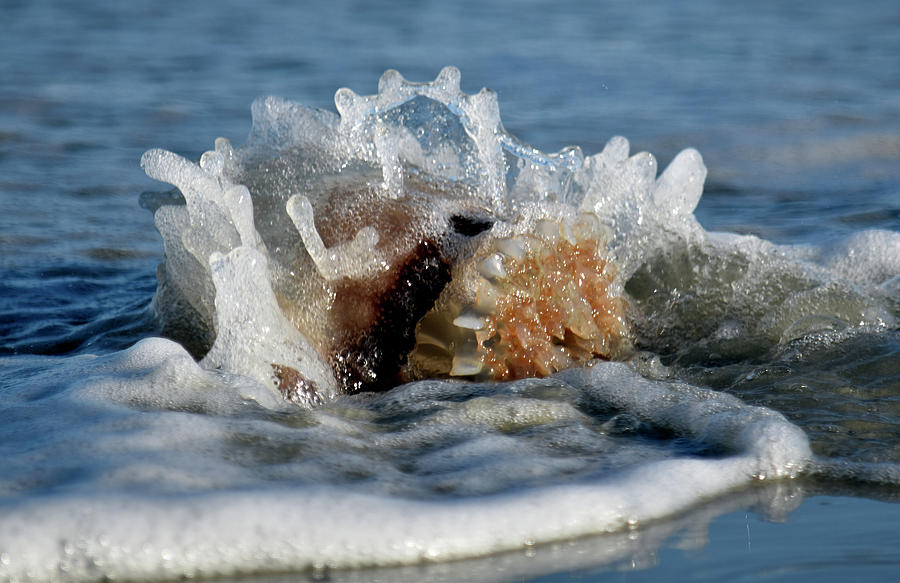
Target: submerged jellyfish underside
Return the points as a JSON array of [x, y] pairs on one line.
[[408, 237]]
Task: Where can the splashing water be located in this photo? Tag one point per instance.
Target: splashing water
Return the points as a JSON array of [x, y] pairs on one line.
[[385, 268], [409, 236]]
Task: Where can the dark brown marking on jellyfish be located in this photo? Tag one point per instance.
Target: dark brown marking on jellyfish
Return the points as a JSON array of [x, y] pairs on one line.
[[470, 226], [295, 387], [372, 359]]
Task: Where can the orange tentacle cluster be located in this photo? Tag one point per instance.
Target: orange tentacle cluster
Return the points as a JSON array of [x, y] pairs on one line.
[[555, 310], [541, 303]]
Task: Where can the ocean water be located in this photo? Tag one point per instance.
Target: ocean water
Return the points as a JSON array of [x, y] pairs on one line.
[[755, 434]]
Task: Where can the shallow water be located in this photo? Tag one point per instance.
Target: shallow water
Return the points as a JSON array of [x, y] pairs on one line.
[[796, 115]]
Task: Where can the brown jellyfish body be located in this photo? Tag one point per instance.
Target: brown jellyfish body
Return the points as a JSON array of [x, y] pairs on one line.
[[370, 291], [458, 293]]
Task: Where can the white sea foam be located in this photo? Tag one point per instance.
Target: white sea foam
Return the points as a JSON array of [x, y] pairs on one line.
[[141, 517]]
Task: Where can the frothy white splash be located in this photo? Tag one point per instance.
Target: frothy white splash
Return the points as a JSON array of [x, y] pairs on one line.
[[435, 151]]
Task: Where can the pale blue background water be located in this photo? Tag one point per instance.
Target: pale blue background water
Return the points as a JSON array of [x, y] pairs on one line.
[[795, 107]]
